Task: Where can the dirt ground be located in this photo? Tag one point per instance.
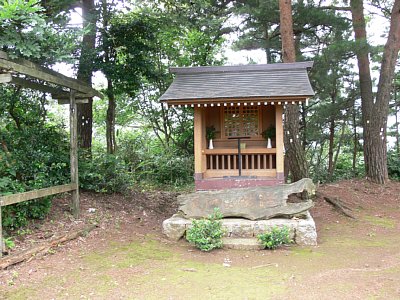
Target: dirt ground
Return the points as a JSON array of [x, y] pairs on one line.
[[127, 257]]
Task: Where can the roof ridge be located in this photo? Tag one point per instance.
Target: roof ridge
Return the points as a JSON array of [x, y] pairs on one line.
[[242, 68]]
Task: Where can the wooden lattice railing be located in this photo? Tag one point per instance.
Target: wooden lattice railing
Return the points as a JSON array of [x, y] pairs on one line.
[[221, 162]]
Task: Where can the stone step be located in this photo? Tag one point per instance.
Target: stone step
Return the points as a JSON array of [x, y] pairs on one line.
[[242, 244], [302, 231]]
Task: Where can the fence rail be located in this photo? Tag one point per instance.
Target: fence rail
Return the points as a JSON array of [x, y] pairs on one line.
[[26, 196], [21, 197], [251, 159]]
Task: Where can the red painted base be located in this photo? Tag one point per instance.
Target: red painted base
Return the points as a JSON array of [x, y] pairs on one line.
[[228, 183]]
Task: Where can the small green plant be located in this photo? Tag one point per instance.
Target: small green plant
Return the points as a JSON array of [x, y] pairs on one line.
[[276, 237], [211, 133], [9, 243], [206, 234], [269, 133]]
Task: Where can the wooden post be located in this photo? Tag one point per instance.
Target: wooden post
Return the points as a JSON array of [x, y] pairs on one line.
[[74, 153], [279, 142], [198, 143]]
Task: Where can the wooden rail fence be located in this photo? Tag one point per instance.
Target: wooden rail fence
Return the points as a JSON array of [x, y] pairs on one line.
[[31, 195]]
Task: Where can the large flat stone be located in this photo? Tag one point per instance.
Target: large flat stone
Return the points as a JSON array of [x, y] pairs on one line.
[[253, 203], [302, 231]]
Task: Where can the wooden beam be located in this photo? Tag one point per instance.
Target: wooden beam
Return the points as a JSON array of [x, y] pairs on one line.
[[198, 141], [36, 86], [28, 68], [65, 96], [236, 100], [56, 93], [21, 197], [279, 140], [73, 117], [77, 101], [4, 78]]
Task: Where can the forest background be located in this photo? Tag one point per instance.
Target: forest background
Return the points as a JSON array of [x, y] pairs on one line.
[[128, 140]]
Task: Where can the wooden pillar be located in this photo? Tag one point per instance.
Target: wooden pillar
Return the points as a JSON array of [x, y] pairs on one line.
[[199, 137], [279, 142], [74, 152]]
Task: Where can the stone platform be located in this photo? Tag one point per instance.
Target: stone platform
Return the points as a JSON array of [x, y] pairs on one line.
[[302, 231]]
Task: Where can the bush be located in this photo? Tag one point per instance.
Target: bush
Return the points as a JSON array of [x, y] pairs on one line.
[[104, 173], [206, 234], [31, 158], [153, 164], [17, 215], [393, 165], [276, 237]]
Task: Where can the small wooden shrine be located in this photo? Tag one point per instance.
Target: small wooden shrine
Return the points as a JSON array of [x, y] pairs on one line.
[[239, 108]]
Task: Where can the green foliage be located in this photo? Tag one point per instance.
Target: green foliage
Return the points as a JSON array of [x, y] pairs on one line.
[[33, 155], [276, 237], [9, 243], [26, 31], [17, 215], [210, 133], [153, 165], [394, 165], [269, 133], [206, 234], [104, 173]]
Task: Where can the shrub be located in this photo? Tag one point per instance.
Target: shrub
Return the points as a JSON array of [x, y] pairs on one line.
[[206, 234], [393, 165], [17, 215], [276, 237], [104, 173], [31, 158]]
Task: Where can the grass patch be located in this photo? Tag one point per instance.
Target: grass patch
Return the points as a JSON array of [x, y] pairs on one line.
[[305, 252], [210, 281], [128, 255], [381, 222]]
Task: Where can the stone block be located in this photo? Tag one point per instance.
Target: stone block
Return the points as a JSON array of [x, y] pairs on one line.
[[302, 231], [238, 228], [174, 228], [306, 232], [263, 226], [242, 244]]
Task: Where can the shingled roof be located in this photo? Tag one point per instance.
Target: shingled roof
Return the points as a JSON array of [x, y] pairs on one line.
[[266, 81]]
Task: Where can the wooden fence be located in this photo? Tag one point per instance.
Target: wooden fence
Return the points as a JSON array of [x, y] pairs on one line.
[[31, 195]]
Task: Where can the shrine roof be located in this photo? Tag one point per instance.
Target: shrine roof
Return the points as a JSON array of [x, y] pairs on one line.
[[263, 81]]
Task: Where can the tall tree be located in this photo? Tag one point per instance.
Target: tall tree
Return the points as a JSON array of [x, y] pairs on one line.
[[375, 109], [85, 71], [295, 155], [123, 58]]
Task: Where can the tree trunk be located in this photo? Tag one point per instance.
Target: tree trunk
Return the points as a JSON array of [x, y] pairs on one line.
[[331, 145], [397, 131], [85, 70], [355, 140], [107, 50], [110, 121], [375, 112], [267, 44], [295, 154]]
